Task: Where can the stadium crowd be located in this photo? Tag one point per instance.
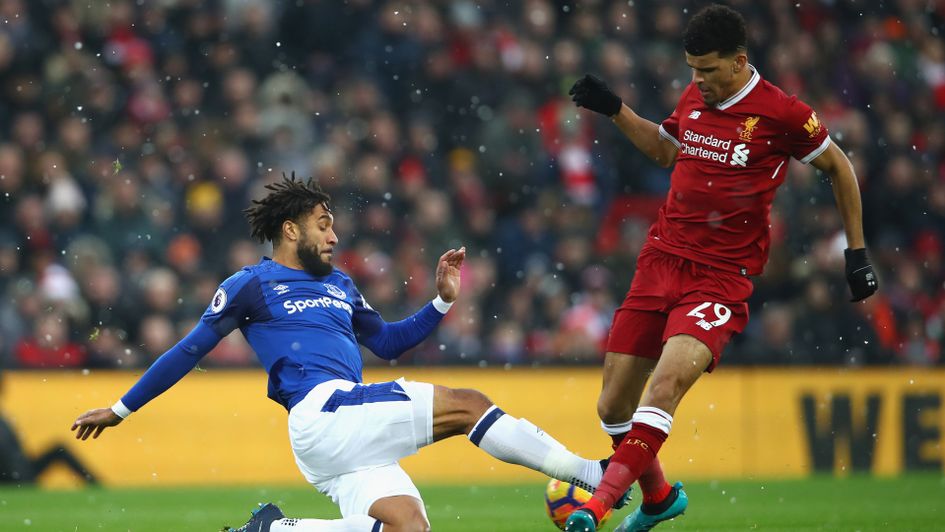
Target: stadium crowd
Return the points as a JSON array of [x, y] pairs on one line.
[[132, 135]]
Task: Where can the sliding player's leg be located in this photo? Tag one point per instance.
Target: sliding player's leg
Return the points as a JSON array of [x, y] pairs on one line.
[[342, 429], [507, 438], [401, 514], [269, 518], [347, 439], [380, 498], [260, 520]]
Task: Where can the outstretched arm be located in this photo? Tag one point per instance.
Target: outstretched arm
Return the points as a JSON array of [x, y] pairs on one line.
[[846, 191], [645, 135], [390, 340], [592, 93], [164, 373]]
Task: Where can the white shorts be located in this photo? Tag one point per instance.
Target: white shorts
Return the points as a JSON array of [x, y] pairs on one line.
[[348, 437]]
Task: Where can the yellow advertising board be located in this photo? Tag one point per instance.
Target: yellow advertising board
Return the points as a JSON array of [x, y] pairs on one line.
[[217, 427]]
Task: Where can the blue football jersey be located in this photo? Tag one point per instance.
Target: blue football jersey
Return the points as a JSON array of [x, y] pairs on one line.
[[304, 329]]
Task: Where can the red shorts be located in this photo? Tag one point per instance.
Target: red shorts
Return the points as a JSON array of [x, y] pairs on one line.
[[671, 295]]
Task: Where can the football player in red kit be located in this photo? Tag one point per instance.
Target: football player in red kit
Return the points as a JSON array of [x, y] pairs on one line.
[[730, 137]]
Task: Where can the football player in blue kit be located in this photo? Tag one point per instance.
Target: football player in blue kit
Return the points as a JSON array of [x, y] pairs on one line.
[[304, 319]]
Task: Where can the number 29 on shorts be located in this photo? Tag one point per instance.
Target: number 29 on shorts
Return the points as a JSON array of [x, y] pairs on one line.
[[722, 314]]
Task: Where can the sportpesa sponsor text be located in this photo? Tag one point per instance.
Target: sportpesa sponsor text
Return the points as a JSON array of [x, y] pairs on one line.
[[299, 305]]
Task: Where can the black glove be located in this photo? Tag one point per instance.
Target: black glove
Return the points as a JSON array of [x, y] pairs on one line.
[[592, 93], [860, 274]]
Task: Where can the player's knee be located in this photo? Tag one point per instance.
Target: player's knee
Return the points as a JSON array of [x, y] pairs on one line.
[[417, 523], [414, 521], [477, 403], [474, 405], [665, 393], [608, 413], [611, 410]]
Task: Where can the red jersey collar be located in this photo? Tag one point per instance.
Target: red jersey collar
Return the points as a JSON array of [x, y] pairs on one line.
[[738, 96]]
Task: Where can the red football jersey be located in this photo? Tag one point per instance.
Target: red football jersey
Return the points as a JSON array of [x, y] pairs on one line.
[[732, 158]]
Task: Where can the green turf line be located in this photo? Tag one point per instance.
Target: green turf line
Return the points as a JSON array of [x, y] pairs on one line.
[[909, 503]]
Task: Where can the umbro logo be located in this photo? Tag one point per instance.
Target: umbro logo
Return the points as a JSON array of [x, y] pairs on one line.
[[695, 115], [280, 289]]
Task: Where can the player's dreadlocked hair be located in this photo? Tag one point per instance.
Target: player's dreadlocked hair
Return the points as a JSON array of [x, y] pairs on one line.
[[715, 28], [287, 200]]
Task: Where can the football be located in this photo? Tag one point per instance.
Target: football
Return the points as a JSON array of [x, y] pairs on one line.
[[562, 498]]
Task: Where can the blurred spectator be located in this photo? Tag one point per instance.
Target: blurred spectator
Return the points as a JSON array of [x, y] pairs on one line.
[[232, 351], [917, 348], [108, 348], [133, 136], [827, 331], [156, 335], [770, 340], [49, 345]]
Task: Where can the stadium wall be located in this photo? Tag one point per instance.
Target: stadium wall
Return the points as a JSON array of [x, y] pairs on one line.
[[217, 427]]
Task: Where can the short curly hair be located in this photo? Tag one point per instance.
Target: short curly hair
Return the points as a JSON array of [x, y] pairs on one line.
[[289, 199], [715, 28]]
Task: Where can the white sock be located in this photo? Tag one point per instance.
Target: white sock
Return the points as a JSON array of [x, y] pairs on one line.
[[615, 429], [654, 417], [517, 441], [355, 523]]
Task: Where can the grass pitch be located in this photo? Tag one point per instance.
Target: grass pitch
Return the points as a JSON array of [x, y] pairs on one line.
[[908, 503]]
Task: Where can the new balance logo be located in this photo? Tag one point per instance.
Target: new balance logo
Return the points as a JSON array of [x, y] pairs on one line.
[[740, 155], [695, 115]]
